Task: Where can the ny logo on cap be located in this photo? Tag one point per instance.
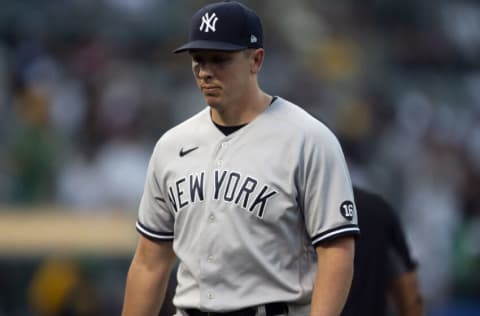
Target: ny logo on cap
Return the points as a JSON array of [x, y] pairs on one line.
[[208, 23]]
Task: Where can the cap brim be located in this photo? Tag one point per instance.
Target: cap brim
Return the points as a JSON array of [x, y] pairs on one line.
[[208, 45]]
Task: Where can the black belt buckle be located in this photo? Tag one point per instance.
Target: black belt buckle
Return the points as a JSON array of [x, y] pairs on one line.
[[273, 309], [249, 311]]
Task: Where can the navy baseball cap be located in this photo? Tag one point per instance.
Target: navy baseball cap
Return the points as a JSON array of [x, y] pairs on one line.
[[227, 26]]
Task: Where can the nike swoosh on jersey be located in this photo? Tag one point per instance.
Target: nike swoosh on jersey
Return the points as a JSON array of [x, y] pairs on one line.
[[186, 152]]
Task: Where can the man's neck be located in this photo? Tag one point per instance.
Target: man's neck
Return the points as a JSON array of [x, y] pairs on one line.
[[242, 112]]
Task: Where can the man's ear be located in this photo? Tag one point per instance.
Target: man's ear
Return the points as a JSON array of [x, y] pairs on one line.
[[256, 59]]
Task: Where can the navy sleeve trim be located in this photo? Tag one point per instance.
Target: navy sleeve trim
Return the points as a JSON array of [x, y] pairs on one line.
[[150, 234], [346, 230]]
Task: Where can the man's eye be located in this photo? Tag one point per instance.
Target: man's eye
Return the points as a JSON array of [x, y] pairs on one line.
[[219, 60]]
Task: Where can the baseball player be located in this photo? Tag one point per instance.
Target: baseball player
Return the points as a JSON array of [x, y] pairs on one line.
[[252, 194]]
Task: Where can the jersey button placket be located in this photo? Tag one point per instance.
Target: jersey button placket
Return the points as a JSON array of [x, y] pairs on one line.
[[210, 296], [223, 146], [209, 265]]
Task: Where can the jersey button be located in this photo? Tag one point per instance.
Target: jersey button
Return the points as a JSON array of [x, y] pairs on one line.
[[211, 259], [211, 218], [224, 145], [220, 162], [210, 296]]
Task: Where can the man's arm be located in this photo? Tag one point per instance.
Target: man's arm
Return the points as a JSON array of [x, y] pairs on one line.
[[334, 276], [148, 277], [406, 296]]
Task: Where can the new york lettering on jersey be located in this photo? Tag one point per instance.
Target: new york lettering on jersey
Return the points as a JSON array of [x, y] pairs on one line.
[[227, 186]]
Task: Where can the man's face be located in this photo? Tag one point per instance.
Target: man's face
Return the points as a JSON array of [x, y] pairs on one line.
[[221, 76]]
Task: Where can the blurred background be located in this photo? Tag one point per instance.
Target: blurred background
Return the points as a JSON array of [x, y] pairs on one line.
[[88, 86]]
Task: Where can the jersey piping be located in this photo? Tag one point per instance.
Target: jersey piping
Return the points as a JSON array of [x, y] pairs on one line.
[[150, 234], [344, 230]]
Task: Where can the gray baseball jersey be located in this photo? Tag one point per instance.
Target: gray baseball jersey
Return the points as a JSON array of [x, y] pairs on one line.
[[244, 210]]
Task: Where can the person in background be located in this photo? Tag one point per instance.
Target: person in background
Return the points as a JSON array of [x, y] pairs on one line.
[[384, 270]]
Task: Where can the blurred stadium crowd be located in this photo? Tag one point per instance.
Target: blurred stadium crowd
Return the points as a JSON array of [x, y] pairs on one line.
[[87, 87]]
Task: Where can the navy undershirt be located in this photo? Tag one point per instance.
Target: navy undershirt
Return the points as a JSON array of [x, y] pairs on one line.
[[227, 130]]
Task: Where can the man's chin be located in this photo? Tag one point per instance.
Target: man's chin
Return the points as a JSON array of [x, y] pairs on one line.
[[212, 101]]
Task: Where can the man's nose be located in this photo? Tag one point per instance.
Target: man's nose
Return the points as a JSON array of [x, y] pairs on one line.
[[204, 71]]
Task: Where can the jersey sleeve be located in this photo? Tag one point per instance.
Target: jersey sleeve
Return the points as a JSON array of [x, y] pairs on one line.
[[328, 204], [155, 220]]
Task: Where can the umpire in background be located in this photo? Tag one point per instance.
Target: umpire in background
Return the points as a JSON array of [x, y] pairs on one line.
[[384, 268]]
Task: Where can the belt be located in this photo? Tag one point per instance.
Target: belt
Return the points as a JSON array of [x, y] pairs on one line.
[[271, 309]]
